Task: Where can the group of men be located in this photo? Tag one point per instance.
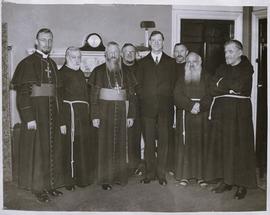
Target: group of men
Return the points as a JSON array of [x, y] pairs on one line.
[[62, 114]]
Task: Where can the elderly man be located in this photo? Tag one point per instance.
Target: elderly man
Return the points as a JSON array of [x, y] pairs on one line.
[[192, 100], [36, 81], [231, 154], [111, 88], [156, 78], [77, 146]]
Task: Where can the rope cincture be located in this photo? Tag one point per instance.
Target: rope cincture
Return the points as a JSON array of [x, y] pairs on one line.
[[72, 132], [224, 96]]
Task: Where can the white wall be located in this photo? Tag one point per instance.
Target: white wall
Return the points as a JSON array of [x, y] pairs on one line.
[[71, 23]]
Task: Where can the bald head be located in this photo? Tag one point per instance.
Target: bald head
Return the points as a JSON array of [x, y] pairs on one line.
[[193, 57], [73, 58]]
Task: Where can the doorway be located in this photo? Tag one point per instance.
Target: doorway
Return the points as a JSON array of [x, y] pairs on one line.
[[207, 38], [261, 128]]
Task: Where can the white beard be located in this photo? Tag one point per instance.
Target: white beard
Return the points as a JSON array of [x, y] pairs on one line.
[[192, 75], [113, 65]]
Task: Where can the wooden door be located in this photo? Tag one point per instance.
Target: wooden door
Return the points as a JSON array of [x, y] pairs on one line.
[[207, 38]]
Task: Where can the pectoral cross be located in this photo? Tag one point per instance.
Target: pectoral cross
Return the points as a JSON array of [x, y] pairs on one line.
[[117, 87], [48, 71]]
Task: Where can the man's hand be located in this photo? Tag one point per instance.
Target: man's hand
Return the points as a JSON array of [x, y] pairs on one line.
[[196, 108], [130, 122], [32, 125], [63, 129], [96, 122]]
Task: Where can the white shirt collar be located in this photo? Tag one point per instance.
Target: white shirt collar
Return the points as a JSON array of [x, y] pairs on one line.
[[156, 55], [43, 55]]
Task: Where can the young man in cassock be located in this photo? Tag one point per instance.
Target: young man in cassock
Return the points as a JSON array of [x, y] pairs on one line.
[[180, 52], [36, 81], [112, 111], [156, 78], [231, 156], [193, 102], [130, 65], [79, 162]]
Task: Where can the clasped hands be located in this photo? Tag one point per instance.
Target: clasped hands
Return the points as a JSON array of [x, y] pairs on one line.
[[96, 122], [196, 108]]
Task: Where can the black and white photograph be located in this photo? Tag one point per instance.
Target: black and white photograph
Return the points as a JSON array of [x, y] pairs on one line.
[[134, 107]]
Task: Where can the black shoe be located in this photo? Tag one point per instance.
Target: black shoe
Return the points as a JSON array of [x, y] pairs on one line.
[[55, 192], [162, 181], [42, 197], [221, 188], [240, 193], [70, 188], [106, 187], [145, 181]]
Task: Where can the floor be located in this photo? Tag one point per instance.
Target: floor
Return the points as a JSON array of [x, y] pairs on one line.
[[137, 197]]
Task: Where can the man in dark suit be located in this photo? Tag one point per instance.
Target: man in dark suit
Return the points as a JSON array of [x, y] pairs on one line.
[[156, 78]]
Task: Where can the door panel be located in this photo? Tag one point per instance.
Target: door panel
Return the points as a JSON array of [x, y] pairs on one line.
[[207, 38]]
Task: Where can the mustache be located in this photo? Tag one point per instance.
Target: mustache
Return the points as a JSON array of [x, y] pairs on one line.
[[180, 56]]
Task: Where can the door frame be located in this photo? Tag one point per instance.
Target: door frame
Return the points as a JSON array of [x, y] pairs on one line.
[[261, 13], [206, 12]]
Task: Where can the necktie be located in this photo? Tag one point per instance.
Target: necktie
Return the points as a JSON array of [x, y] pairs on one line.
[[156, 61]]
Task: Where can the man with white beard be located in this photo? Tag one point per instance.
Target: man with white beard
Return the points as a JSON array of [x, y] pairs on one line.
[[110, 91], [192, 99]]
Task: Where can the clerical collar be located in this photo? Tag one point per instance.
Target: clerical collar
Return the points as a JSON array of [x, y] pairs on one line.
[[154, 56], [43, 55]]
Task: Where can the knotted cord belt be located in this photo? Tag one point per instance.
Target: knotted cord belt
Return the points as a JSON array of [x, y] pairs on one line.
[[72, 132], [184, 121], [224, 96]]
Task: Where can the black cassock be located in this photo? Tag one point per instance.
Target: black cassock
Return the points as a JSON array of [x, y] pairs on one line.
[[40, 151], [78, 145], [112, 132], [134, 132], [231, 145]]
